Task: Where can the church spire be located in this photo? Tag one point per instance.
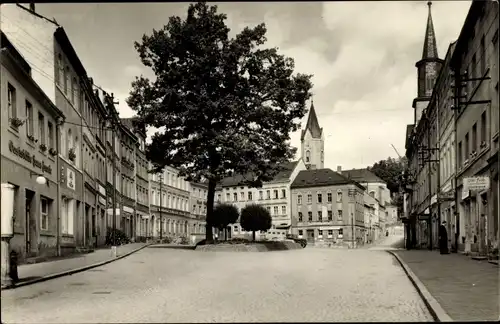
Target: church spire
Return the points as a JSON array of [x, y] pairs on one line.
[[430, 47], [312, 123]]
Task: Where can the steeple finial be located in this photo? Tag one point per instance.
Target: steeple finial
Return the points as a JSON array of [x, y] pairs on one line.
[[430, 47]]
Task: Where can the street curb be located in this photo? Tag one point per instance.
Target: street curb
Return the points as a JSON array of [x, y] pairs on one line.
[[72, 271], [437, 312]]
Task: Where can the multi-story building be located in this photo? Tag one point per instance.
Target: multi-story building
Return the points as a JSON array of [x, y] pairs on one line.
[[141, 218], [327, 207], [274, 195], [475, 66], [170, 203], [29, 148], [421, 145], [198, 203], [372, 224], [128, 143]]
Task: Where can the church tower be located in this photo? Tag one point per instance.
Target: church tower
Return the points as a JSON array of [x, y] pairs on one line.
[[428, 69], [312, 142]]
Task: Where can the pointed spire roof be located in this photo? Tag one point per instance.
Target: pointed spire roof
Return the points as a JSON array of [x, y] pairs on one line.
[[430, 48], [312, 124]]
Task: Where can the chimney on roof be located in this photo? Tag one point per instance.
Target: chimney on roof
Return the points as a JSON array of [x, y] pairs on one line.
[[32, 6], [339, 169]]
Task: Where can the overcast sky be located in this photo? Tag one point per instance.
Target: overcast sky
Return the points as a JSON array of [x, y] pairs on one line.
[[362, 56]]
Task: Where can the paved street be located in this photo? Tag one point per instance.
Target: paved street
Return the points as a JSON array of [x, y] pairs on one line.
[[169, 285]]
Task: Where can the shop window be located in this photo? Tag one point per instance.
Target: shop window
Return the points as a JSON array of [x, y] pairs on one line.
[[44, 214]]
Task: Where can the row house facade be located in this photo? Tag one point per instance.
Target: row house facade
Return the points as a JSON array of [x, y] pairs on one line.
[[198, 198], [274, 195], [457, 139], [327, 208], [475, 66]]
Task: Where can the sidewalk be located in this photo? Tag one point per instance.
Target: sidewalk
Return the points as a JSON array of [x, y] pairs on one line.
[[29, 272], [466, 289]]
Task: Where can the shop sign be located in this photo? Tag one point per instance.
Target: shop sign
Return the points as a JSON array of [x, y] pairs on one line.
[[26, 155], [102, 200], [477, 183]]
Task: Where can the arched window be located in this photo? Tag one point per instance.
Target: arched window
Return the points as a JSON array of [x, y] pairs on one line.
[[308, 156]]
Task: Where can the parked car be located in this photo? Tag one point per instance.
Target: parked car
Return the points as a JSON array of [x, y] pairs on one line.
[[296, 239]]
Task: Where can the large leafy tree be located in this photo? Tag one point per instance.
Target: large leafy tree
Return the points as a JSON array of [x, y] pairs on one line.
[[223, 215], [255, 218], [223, 105]]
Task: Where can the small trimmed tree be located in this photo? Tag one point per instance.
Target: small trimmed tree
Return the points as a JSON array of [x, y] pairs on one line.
[[255, 218], [225, 214]]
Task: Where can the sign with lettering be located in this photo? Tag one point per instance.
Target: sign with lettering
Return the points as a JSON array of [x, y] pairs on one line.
[[28, 157], [477, 183], [70, 179]]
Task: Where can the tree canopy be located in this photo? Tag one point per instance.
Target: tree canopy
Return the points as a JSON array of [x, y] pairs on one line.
[[255, 218], [223, 104], [225, 214], [390, 170]]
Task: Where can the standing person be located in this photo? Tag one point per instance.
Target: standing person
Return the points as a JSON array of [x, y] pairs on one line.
[[443, 239]]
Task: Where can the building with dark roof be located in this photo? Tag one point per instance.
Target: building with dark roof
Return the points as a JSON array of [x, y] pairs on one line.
[[327, 208], [273, 195]]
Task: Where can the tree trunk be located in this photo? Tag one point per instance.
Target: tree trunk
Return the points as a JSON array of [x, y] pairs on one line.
[[253, 235], [210, 209]]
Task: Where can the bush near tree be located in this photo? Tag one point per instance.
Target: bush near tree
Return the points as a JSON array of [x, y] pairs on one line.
[[255, 218], [225, 214], [222, 105]]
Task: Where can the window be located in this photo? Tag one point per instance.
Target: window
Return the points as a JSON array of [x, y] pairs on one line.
[[320, 216], [242, 194], [283, 210], [74, 92], [300, 217], [228, 196], [299, 200], [330, 215], [339, 196], [330, 233], [41, 128], [275, 210], [320, 198], [44, 214], [268, 209], [340, 216], [29, 118], [11, 101], [466, 144], [268, 194], [310, 216], [283, 193], [460, 156], [236, 228], [235, 197], [474, 137], [483, 127], [249, 195], [320, 233], [219, 197], [329, 197], [308, 156], [276, 194], [309, 199], [482, 56], [341, 231], [68, 212], [67, 82], [261, 195], [50, 128], [301, 232]]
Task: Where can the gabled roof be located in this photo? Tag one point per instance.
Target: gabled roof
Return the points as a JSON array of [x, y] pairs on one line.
[[321, 178], [239, 179], [430, 48], [362, 175], [312, 124]]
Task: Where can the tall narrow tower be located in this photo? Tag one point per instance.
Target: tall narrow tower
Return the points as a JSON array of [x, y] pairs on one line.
[[313, 142], [428, 69]]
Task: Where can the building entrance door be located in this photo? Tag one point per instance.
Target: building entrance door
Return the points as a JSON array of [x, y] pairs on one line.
[[30, 223], [310, 235]]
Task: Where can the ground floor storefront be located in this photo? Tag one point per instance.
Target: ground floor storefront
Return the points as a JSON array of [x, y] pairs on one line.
[[174, 224]]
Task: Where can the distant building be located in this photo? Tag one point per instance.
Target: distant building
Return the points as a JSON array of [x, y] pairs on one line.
[[198, 203], [327, 208], [273, 195]]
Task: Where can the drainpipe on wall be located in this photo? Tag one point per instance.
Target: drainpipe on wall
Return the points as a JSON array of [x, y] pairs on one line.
[[58, 179]]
